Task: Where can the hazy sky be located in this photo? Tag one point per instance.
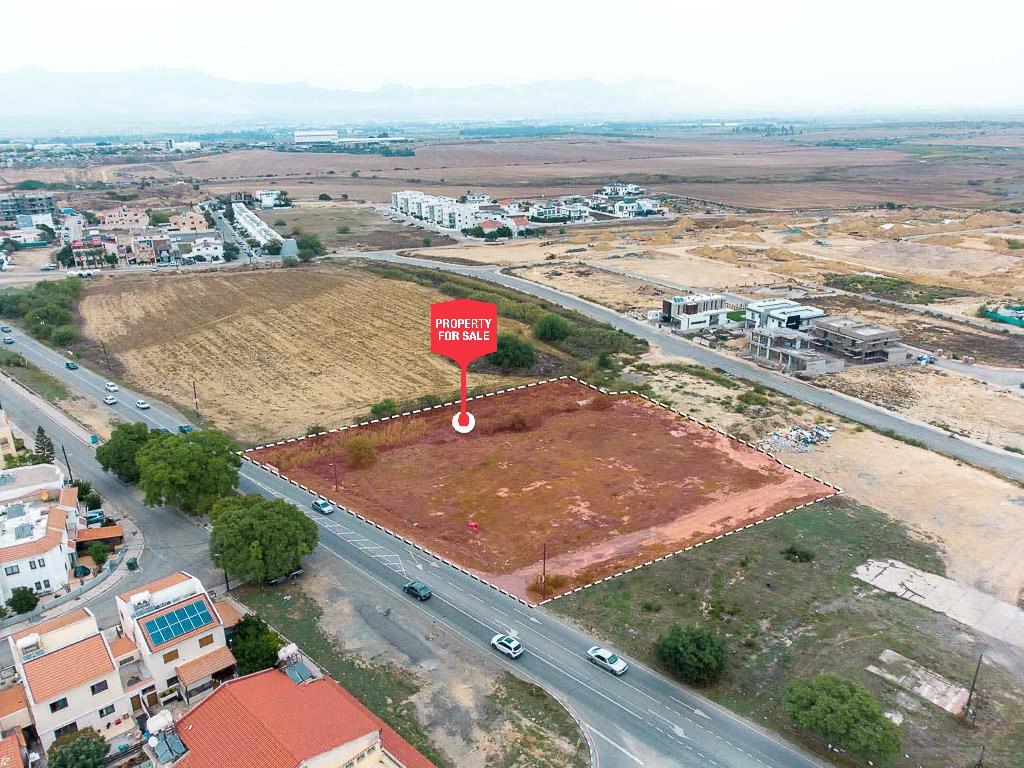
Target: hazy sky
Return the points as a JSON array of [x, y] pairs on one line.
[[864, 53]]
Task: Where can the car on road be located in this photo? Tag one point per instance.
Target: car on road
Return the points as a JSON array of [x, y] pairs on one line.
[[605, 659], [417, 589], [184, 428], [163, 430], [6, 328], [71, 365], [111, 387], [508, 645], [291, 575], [48, 267], [110, 400], [8, 340], [323, 506], [142, 405]]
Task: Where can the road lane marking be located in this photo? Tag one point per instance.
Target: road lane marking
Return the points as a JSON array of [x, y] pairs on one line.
[[615, 744]]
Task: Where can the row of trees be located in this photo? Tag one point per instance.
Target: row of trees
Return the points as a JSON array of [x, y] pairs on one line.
[[47, 309]]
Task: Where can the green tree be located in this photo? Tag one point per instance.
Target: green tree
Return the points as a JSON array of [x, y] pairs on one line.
[[99, 552], [309, 246], [426, 241], [259, 539], [842, 711], [119, 453], [324, 196], [254, 645], [190, 471], [44, 445], [48, 234], [230, 251], [551, 327], [229, 213], [23, 600], [273, 247], [512, 352], [64, 336], [81, 749], [88, 495], [695, 655]]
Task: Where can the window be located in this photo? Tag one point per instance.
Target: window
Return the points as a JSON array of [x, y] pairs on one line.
[[39, 586], [170, 656], [99, 687], [10, 570], [46, 583], [58, 705], [64, 730], [205, 640], [41, 561], [172, 681], [107, 710], [32, 564]]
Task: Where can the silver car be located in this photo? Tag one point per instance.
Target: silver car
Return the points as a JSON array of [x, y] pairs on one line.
[[607, 660]]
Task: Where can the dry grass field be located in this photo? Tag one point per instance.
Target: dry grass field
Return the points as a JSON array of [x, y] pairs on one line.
[[364, 229], [272, 351]]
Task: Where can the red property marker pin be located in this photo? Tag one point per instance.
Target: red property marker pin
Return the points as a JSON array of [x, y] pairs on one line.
[[463, 330]]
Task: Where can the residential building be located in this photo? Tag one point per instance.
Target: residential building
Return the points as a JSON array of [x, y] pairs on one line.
[[70, 678], [189, 221], [445, 212], [618, 189], [315, 136], [28, 237], [207, 247], [245, 198], [12, 204], [33, 220], [695, 312], [267, 198], [152, 244], [124, 218], [282, 718], [253, 226], [626, 208], [173, 145], [13, 751], [781, 313], [858, 341], [789, 350], [92, 250], [178, 634]]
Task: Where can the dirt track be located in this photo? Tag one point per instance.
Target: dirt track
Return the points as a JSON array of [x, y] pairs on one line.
[[607, 482]]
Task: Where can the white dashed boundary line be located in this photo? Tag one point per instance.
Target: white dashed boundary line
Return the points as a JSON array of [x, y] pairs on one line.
[[836, 491]]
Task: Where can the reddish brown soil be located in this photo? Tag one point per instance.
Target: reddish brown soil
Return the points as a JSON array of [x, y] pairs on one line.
[[608, 482]]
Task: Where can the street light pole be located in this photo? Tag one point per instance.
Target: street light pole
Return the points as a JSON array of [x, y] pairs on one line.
[[67, 463], [195, 396]]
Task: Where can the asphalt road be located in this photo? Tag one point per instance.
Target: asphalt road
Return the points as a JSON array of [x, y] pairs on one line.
[[640, 719], [972, 452]]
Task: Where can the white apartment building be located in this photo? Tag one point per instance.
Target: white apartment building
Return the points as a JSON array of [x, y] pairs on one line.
[[253, 226], [781, 313], [177, 635], [618, 189], [267, 198], [444, 212], [315, 136], [208, 247]]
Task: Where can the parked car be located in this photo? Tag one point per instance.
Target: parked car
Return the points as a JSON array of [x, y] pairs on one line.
[[417, 589], [605, 659], [71, 365], [184, 428], [163, 430], [111, 387], [142, 405], [291, 575], [6, 328], [110, 400], [323, 506], [8, 340], [48, 267], [508, 645]]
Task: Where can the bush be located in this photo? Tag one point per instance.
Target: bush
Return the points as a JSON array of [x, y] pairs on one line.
[[324, 196], [343, 229], [551, 327], [82, 749], [843, 712], [796, 554], [359, 452], [99, 552], [512, 352], [273, 247], [254, 645], [384, 408], [695, 655], [289, 261], [426, 241], [280, 223], [23, 600], [315, 429]]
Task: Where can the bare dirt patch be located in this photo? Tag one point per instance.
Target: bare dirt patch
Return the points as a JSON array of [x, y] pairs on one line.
[[608, 482], [598, 285]]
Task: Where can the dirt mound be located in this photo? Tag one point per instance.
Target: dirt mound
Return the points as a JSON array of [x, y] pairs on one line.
[[799, 237]]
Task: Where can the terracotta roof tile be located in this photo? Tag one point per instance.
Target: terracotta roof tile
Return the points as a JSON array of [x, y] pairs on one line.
[[101, 533], [64, 620], [10, 751], [203, 666], [155, 586], [122, 646], [12, 699], [68, 496], [67, 668], [263, 721]]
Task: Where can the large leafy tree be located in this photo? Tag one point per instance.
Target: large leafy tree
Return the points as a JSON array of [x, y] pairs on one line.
[[259, 539], [81, 749], [190, 471], [119, 453], [23, 600], [844, 712], [254, 645], [695, 655]]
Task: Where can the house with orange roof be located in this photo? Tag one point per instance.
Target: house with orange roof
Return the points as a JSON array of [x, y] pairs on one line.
[[13, 751], [179, 636], [70, 679], [281, 718]]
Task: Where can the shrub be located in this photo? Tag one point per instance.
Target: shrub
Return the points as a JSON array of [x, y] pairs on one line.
[[426, 241], [289, 261], [64, 336], [343, 229], [280, 223], [842, 711], [384, 408], [695, 655], [323, 196], [315, 429], [359, 452], [512, 352], [99, 552], [796, 554], [551, 327], [23, 600]]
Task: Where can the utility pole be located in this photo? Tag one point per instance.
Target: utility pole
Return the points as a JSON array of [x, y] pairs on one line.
[[107, 359], [970, 696], [544, 573], [67, 463], [195, 396], [334, 466]]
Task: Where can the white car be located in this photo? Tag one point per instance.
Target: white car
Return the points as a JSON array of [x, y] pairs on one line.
[[508, 645], [111, 387], [607, 660], [142, 405], [110, 400]]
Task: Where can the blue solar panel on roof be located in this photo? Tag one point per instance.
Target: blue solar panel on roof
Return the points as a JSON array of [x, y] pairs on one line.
[[178, 622]]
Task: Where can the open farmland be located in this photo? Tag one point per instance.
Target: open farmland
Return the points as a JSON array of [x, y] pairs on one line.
[[271, 351], [604, 482]]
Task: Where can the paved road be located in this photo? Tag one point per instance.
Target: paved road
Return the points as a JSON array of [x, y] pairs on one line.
[[642, 719], [972, 452]]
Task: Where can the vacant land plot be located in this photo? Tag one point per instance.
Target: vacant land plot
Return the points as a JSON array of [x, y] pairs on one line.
[[602, 482], [598, 285], [348, 226], [272, 351]]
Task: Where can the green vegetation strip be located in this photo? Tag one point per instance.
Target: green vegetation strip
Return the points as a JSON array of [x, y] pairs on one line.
[[385, 689], [46, 309], [24, 372], [894, 289]]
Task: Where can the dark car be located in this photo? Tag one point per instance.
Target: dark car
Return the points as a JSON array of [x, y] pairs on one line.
[[71, 365], [417, 589], [184, 428], [287, 577]]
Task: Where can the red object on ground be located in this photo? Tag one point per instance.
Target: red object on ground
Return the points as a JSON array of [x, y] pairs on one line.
[[463, 330], [474, 525]]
